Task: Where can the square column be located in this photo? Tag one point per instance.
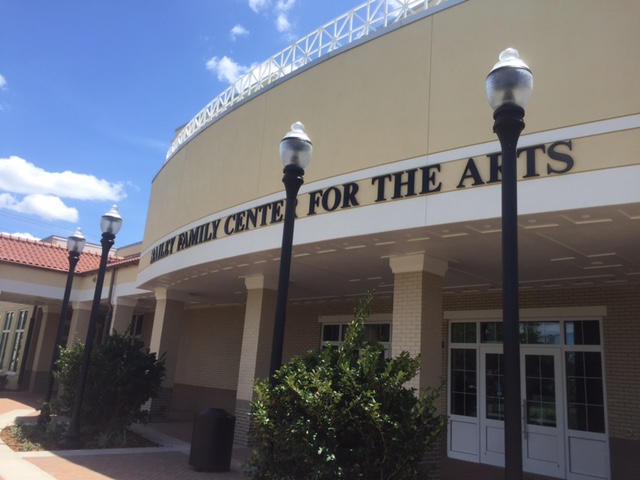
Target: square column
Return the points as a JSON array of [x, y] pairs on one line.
[[417, 314], [257, 340], [122, 314], [165, 339], [79, 323]]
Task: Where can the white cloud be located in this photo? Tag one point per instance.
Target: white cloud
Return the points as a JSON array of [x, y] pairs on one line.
[[285, 5], [257, 5], [238, 31], [280, 10], [3, 83], [282, 23], [48, 207], [226, 69], [22, 177]]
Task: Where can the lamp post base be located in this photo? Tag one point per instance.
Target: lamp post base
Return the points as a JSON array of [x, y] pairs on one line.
[[71, 442]]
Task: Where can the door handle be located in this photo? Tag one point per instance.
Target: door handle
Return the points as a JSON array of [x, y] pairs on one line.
[[524, 419]]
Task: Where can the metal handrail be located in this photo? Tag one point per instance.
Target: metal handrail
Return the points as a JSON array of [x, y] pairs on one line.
[[353, 25]]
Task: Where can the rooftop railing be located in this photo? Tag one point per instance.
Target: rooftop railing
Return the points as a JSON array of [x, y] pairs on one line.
[[353, 25]]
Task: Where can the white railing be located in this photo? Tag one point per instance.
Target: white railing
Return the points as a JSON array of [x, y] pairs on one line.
[[353, 25]]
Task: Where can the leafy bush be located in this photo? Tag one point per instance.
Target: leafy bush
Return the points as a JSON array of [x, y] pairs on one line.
[[343, 413], [45, 436], [122, 377]]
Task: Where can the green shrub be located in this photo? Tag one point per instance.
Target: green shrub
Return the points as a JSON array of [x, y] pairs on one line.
[[122, 377], [343, 413]]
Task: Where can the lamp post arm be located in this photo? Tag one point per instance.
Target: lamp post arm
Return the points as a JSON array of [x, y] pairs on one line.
[[293, 180]]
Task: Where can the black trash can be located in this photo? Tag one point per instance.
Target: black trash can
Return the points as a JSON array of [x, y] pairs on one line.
[[212, 440]]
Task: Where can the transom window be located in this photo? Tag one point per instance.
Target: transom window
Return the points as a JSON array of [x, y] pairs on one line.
[[333, 335]]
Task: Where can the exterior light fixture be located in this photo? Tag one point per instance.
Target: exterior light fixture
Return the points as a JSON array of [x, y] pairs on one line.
[[509, 86], [110, 224], [75, 245], [295, 152]]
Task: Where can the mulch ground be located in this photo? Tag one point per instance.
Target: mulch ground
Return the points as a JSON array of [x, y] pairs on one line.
[[133, 440]]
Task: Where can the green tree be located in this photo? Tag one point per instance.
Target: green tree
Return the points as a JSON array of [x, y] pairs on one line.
[[122, 377], [343, 413]]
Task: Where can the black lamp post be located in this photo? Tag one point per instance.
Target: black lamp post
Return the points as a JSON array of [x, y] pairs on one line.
[[75, 245], [110, 225], [509, 86], [295, 152]]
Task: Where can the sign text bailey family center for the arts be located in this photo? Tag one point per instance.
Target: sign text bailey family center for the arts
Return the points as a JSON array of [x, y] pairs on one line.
[[539, 160]]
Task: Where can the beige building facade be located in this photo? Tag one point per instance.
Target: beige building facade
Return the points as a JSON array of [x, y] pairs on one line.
[[403, 197]]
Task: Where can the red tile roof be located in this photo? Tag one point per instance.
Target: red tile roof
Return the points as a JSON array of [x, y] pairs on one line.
[[43, 255]]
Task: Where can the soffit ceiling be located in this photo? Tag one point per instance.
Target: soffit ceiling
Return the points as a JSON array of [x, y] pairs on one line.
[[596, 246]]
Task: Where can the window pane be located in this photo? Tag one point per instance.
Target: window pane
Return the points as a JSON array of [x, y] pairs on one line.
[[582, 332], [15, 351], [540, 333], [331, 333], [8, 319], [577, 417], [595, 418], [22, 320], [552, 333], [470, 333], [457, 333], [591, 332], [378, 332], [491, 332], [463, 333], [592, 365], [4, 340], [593, 388], [576, 391], [470, 405], [585, 391], [343, 331], [385, 333], [457, 359], [494, 379], [541, 391], [463, 396]]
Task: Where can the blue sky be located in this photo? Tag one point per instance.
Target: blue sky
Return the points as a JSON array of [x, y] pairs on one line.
[[91, 93]]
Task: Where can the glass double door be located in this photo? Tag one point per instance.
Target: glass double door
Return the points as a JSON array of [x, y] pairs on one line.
[[541, 413]]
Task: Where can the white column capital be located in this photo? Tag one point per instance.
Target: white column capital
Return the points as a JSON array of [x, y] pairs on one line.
[[418, 263], [260, 282], [162, 293], [81, 305], [126, 302]]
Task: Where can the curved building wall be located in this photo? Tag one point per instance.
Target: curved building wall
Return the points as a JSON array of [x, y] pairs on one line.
[[417, 90]]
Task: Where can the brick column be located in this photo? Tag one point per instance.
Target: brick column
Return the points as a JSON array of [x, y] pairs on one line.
[[122, 314], [165, 339], [79, 323], [417, 314], [255, 358]]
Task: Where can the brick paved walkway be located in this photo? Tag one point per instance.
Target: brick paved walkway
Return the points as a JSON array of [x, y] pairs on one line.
[[162, 463]]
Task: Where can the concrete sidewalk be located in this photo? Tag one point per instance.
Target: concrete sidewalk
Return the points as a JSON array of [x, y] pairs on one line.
[[170, 461]]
